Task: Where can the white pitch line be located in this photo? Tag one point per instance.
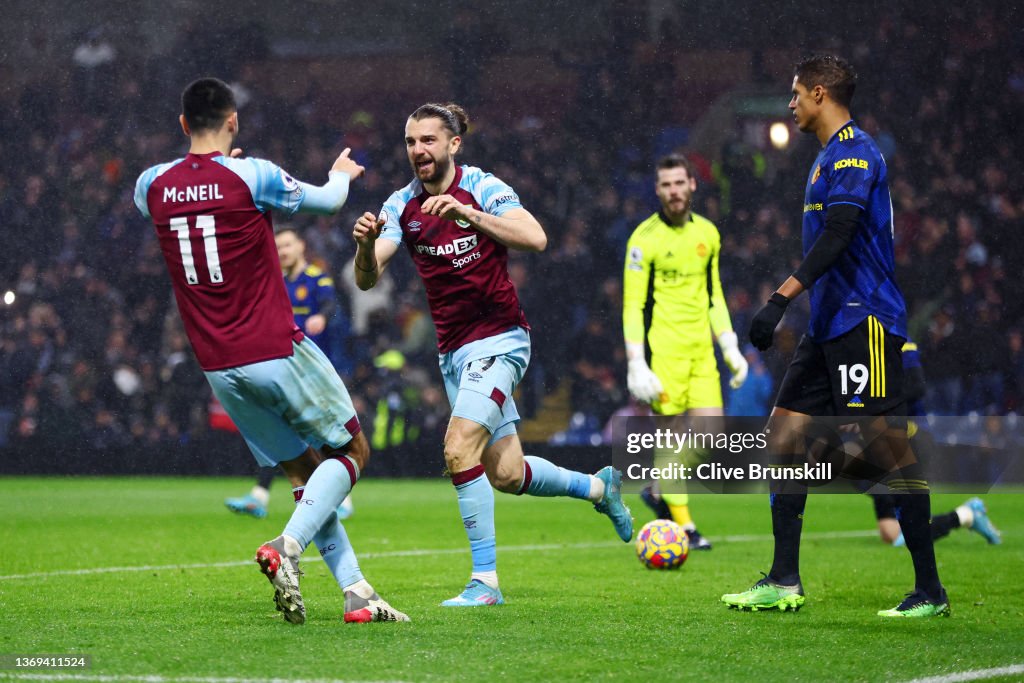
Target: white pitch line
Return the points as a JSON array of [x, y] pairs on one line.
[[313, 558], [113, 570], [813, 535], [423, 552], [156, 678], [972, 675]]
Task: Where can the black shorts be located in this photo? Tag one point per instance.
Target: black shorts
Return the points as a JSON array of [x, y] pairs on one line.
[[857, 373], [885, 506]]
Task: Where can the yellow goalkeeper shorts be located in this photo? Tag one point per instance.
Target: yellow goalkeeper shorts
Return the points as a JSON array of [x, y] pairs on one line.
[[688, 382]]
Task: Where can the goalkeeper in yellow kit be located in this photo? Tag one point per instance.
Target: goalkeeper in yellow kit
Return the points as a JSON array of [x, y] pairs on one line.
[[673, 257]]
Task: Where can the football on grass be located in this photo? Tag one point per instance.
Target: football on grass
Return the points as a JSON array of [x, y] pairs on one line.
[[662, 544]]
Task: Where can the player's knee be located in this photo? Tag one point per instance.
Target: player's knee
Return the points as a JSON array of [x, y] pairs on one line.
[[781, 441], [358, 449], [888, 530], [461, 449], [456, 456]]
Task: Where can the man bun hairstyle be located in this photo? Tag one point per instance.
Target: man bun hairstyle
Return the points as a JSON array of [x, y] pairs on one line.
[[206, 102], [454, 117], [831, 72]]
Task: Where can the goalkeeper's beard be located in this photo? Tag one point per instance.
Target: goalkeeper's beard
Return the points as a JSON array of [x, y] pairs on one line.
[[682, 213]]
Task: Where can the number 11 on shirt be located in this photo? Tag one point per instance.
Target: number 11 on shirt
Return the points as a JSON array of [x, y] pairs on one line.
[[207, 225]]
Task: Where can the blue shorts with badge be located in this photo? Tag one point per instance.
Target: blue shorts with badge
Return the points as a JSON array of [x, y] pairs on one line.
[[284, 405], [481, 376]]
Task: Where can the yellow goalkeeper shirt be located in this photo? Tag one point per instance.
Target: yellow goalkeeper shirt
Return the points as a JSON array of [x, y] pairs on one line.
[[681, 264]]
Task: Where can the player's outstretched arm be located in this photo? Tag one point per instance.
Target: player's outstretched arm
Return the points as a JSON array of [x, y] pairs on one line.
[[328, 199], [515, 228], [372, 255]]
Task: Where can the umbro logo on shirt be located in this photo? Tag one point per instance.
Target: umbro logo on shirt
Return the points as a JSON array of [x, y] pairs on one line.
[[414, 226]]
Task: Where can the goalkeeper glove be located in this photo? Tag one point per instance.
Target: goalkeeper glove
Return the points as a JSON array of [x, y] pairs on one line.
[[643, 384], [728, 342]]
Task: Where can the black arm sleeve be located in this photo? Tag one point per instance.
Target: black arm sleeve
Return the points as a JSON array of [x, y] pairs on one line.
[[841, 222], [327, 307]]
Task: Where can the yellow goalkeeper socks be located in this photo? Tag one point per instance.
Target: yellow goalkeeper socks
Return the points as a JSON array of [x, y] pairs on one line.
[[681, 516]]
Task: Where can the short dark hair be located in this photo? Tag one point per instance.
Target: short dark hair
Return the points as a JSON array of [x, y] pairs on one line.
[[206, 102], [676, 160], [287, 228], [454, 117], [833, 73]]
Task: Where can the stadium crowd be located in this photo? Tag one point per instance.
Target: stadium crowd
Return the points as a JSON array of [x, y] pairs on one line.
[[92, 352]]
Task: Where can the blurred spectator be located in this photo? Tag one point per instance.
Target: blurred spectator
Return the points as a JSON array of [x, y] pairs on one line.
[[87, 354], [596, 391], [944, 347], [754, 397], [1015, 369], [365, 305]]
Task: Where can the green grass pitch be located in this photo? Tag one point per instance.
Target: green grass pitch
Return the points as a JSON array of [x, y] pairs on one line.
[[579, 604]]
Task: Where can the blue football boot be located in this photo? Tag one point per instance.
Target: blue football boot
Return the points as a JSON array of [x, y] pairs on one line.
[[247, 505], [347, 508], [612, 504], [982, 524], [476, 594]]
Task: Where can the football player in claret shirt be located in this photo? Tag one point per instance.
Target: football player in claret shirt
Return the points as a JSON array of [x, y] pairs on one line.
[[458, 224], [848, 364], [672, 259], [311, 292], [212, 214]]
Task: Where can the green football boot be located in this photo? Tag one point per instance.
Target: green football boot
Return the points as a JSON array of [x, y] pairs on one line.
[[766, 594], [917, 605]]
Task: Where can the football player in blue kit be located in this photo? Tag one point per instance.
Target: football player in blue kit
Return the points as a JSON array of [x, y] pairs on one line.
[[848, 364]]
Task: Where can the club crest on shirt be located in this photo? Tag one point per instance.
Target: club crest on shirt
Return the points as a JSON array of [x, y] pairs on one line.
[[464, 224], [301, 292], [636, 256], [817, 174], [702, 250]]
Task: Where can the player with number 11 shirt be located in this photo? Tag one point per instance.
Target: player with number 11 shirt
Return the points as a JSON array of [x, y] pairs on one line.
[[212, 214]]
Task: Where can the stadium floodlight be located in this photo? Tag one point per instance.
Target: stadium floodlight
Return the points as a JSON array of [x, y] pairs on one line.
[[778, 133], [8, 297]]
